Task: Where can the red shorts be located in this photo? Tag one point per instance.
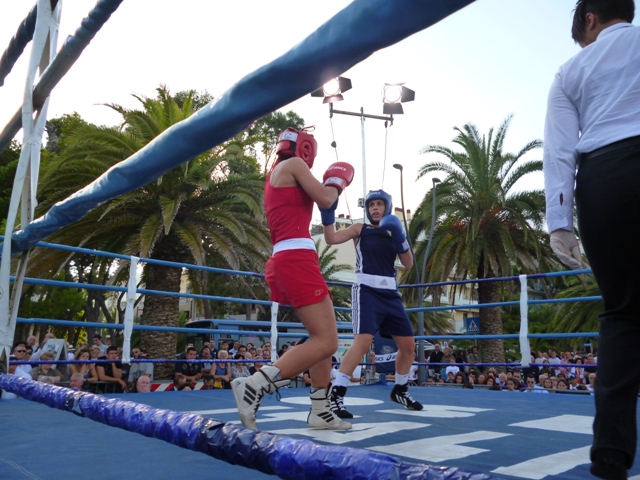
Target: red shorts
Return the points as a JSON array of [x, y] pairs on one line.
[[294, 278]]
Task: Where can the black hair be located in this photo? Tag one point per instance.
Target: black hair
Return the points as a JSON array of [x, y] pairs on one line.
[[606, 10]]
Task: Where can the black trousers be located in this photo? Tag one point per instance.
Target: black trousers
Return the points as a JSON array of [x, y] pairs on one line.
[[607, 198]]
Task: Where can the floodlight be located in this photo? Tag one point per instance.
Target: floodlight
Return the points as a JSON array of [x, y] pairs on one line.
[[332, 90], [393, 95]]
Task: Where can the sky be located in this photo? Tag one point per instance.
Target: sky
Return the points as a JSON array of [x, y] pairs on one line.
[[492, 59]]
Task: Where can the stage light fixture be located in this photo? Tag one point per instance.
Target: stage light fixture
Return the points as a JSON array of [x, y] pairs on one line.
[[332, 90], [393, 95]]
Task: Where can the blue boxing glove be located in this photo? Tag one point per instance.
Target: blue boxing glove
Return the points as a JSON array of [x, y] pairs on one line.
[[329, 214], [392, 224]]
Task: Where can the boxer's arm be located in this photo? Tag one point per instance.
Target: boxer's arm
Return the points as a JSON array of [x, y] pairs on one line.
[[406, 259], [325, 197], [333, 237]]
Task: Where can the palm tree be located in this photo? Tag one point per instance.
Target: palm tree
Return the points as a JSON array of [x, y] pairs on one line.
[[483, 226], [202, 212], [579, 316]]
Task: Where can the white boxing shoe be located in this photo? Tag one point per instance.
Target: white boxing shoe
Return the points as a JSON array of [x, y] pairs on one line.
[[321, 416], [248, 391]]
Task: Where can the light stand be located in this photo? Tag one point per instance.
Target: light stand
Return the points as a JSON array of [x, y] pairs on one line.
[[362, 116]]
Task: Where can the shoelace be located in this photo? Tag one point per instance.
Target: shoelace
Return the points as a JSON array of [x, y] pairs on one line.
[[408, 396], [263, 391]]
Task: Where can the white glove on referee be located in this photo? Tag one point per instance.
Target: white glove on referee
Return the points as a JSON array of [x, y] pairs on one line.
[[565, 245]]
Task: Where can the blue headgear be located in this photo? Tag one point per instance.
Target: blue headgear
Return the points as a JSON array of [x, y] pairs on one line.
[[378, 195]]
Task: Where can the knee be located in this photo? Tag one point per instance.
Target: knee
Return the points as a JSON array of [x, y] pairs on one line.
[[407, 347], [330, 346]]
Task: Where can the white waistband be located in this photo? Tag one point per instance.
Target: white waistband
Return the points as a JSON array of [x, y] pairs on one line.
[[294, 244], [376, 281]]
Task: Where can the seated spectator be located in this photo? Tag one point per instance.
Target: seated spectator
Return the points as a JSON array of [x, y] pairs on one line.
[[95, 352], [111, 372], [574, 383], [47, 370], [247, 356], [20, 355], [546, 384], [461, 357], [490, 382], [511, 385], [205, 354], [502, 380], [578, 370], [97, 341], [223, 370], [86, 370], [77, 381], [180, 382], [239, 369], [482, 379], [138, 369], [32, 343], [208, 382], [446, 358], [562, 384], [451, 377], [532, 387], [472, 377], [451, 368], [467, 386], [191, 371], [517, 377], [435, 357], [143, 384], [257, 365], [474, 356], [459, 379], [591, 382]]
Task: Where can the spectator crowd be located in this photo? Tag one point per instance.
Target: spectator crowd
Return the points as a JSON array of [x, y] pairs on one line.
[[549, 372]]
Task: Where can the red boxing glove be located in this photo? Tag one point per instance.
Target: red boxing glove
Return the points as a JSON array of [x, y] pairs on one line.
[[339, 175]]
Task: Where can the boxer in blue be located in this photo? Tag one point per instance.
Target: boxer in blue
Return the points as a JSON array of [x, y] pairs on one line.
[[376, 303]]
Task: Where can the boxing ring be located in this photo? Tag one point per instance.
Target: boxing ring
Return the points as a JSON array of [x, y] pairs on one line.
[[53, 432], [501, 434]]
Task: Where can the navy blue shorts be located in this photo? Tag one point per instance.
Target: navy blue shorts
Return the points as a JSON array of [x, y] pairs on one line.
[[374, 309]]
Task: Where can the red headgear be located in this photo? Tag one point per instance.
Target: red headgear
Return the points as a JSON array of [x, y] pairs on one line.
[[294, 143]]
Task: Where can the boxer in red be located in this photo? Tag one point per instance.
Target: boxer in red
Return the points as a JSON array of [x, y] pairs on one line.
[[294, 277]]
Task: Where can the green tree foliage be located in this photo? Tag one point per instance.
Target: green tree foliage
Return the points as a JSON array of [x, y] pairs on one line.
[[8, 163], [484, 226], [265, 134], [55, 303], [197, 99]]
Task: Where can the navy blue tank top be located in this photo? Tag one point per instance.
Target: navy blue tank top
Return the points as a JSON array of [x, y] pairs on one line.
[[375, 252]]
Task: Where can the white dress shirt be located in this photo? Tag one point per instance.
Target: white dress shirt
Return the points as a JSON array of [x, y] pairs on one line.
[[594, 100]]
